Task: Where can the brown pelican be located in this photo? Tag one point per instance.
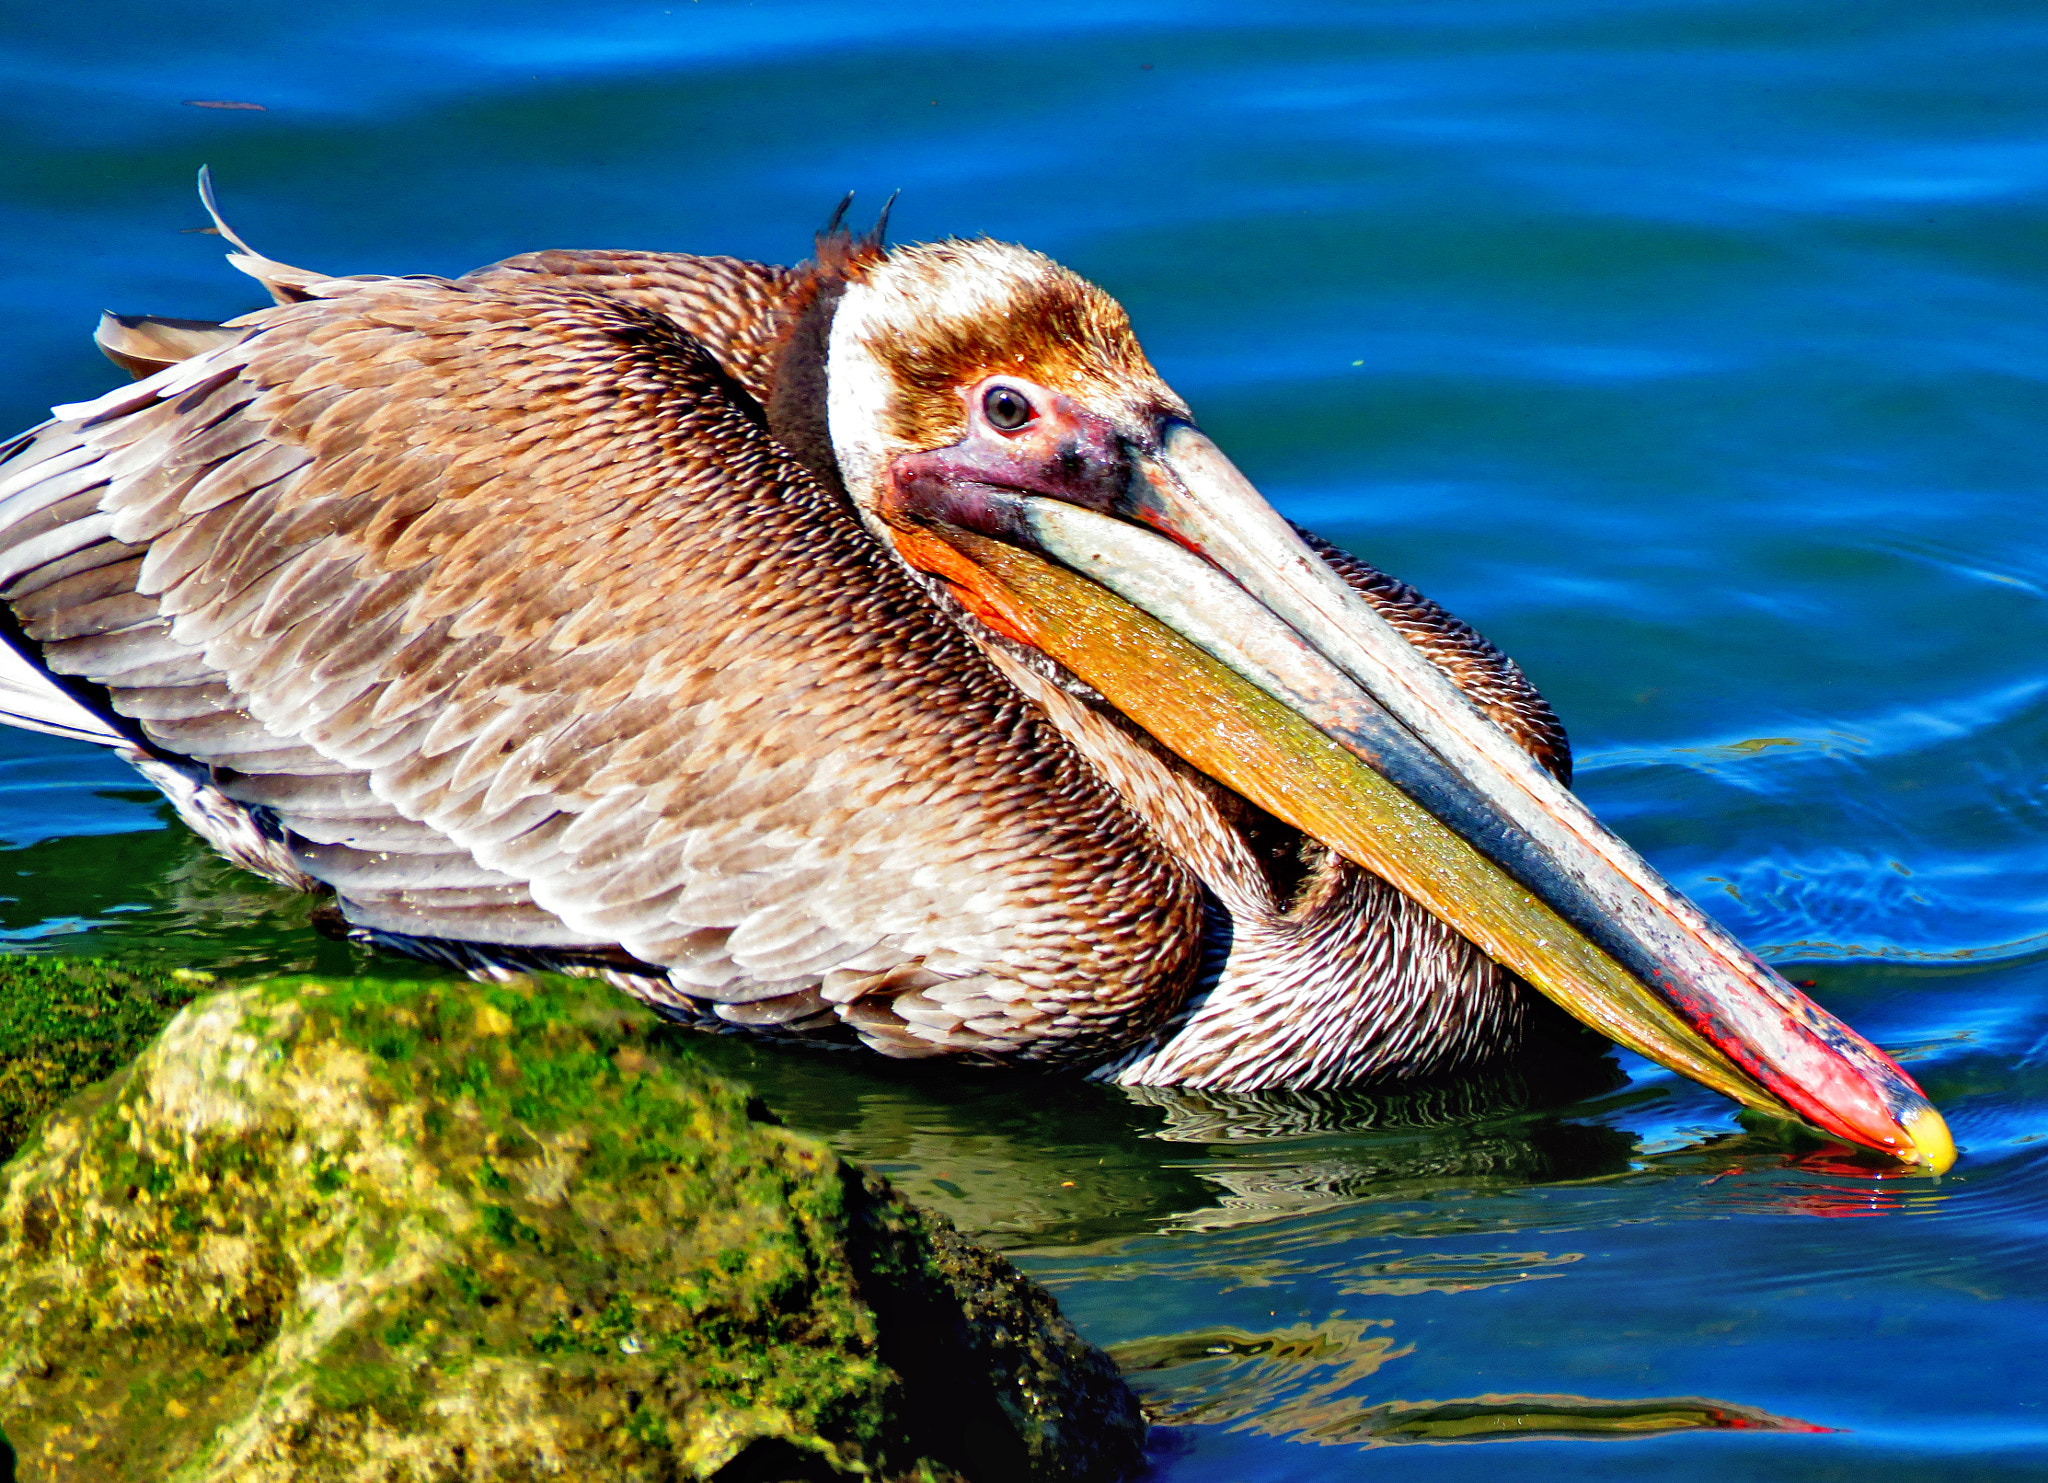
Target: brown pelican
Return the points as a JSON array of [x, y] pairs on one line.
[[869, 649]]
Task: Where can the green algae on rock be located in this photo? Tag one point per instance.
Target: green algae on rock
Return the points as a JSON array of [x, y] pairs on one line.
[[376, 1230], [68, 1022]]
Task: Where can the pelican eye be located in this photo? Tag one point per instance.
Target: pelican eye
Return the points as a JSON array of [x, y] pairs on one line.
[[1007, 409]]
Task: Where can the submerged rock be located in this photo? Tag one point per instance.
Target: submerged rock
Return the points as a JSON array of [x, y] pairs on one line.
[[368, 1230]]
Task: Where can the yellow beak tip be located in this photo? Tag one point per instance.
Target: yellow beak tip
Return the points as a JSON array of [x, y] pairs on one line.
[[1934, 1150]]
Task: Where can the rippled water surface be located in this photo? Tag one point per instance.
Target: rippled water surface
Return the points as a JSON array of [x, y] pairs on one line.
[[1693, 350]]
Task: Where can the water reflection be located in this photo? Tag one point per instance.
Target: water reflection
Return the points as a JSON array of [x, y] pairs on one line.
[[1302, 1378], [160, 895], [1378, 1162], [1303, 1383], [1306, 1382], [1200, 1115], [1070, 1170]]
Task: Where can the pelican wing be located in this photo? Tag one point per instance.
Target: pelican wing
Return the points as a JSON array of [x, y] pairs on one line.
[[497, 602]]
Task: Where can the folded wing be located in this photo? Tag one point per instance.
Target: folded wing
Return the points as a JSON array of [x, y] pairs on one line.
[[495, 604]]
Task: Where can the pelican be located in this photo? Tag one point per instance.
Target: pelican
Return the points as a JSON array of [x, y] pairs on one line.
[[870, 650]]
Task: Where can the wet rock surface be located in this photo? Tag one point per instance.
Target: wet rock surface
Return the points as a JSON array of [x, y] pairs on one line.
[[68, 1022], [371, 1230]]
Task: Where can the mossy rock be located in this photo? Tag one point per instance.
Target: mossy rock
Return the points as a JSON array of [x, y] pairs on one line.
[[370, 1230], [66, 1023]]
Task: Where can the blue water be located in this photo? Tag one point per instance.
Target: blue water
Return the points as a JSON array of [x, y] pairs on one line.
[[1696, 351]]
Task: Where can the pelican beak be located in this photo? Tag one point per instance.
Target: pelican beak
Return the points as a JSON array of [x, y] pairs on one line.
[[1195, 609]]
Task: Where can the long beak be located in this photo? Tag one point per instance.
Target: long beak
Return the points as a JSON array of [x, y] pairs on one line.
[[1239, 648]]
